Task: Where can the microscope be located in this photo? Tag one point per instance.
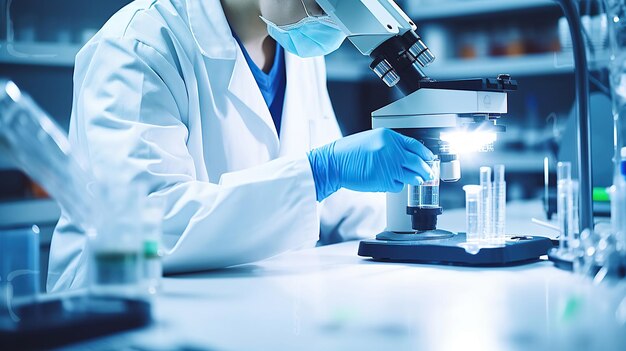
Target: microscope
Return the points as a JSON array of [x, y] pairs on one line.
[[441, 115]]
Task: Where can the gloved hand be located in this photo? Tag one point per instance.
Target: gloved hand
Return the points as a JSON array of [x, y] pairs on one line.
[[378, 160]]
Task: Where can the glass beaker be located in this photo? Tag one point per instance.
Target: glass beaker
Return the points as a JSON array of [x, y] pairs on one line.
[[19, 266], [426, 195]]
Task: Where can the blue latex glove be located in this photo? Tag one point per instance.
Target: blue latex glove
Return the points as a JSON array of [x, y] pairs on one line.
[[378, 160]]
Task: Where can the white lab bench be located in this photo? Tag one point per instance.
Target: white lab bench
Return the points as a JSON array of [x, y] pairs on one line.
[[328, 298]]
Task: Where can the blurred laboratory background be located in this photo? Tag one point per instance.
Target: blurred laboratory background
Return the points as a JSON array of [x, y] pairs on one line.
[[527, 39]]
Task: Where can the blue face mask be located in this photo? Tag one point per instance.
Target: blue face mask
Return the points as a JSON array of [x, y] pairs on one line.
[[309, 37]]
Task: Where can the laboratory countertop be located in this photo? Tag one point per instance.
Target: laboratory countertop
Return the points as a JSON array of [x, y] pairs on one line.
[[328, 298]]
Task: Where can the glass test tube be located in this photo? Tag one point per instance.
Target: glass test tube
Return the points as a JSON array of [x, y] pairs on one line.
[[473, 230], [427, 194], [152, 217], [485, 204], [574, 229], [565, 211], [499, 205]]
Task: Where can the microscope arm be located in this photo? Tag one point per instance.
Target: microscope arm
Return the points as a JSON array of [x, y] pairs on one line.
[[380, 29], [368, 23]]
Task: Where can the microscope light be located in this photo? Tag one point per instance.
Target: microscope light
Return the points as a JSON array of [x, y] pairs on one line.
[[465, 142]]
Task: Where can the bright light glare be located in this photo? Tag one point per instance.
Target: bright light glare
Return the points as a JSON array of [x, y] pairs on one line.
[[13, 91], [465, 142]]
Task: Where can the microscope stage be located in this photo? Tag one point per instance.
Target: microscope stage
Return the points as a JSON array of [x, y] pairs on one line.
[[455, 251]]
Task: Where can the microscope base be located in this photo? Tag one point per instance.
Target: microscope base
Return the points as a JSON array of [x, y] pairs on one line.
[[455, 251]]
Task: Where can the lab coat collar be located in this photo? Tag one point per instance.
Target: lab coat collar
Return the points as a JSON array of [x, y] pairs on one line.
[[243, 85], [215, 39], [299, 106], [210, 29]]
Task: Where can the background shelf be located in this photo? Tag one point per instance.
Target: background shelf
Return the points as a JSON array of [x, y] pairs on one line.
[[448, 9], [517, 66], [525, 161], [46, 54], [343, 67], [28, 212]]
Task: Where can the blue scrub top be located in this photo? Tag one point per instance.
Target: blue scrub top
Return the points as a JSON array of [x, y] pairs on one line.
[[271, 84]]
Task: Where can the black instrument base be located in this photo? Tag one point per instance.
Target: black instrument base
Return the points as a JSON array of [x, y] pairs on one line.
[[565, 261], [561, 261], [452, 251], [54, 323]]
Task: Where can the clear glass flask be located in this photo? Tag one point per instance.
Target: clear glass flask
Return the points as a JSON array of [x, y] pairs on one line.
[[473, 230], [427, 194]]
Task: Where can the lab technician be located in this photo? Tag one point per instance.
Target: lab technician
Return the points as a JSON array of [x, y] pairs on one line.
[[221, 108]]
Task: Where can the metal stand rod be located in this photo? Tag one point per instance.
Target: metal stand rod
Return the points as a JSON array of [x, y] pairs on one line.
[[585, 177]]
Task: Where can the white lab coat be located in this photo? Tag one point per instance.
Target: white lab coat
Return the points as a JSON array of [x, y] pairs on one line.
[[163, 95]]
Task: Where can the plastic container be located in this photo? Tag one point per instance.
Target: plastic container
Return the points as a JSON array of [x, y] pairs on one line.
[[473, 230]]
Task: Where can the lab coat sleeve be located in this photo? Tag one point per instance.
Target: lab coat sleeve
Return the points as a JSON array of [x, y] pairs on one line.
[[131, 126], [346, 214]]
